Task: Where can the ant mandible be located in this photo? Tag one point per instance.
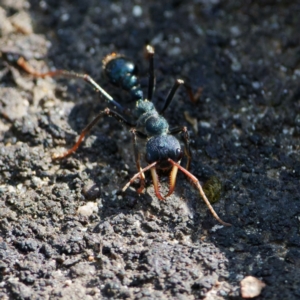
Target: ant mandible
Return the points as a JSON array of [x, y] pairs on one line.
[[163, 150]]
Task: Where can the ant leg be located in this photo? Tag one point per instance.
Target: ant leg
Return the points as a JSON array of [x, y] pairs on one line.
[[187, 151], [198, 185], [21, 62], [171, 94], [138, 158], [154, 177], [173, 90], [193, 97], [156, 184], [137, 175], [186, 140], [151, 81], [178, 82], [88, 128]]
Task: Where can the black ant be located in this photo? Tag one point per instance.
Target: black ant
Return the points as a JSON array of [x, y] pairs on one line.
[[163, 150]]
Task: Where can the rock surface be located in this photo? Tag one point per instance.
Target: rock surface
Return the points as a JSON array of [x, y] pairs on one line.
[[245, 57]]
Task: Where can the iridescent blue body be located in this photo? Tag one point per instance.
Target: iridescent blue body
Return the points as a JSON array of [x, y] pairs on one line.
[[160, 146], [121, 72]]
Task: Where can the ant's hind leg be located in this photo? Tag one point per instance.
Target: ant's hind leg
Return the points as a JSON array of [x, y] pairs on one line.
[[23, 64]]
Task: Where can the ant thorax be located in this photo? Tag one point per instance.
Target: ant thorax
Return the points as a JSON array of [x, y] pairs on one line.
[[150, 122], [143, 106]]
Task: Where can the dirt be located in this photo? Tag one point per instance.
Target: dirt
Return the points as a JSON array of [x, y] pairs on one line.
[[245, 57]]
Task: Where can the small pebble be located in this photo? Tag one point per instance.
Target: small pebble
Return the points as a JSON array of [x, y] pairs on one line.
[[251, 287], [88, 209]]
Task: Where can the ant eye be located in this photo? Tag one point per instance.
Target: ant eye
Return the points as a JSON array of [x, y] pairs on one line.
[[148, 157], [179, 153]]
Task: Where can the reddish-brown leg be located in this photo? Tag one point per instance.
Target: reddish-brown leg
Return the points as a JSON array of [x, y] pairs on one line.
[[138, 175], [21, 62], [173, 175], [156, 183], [138, 161], [196, 182], [86, 130]]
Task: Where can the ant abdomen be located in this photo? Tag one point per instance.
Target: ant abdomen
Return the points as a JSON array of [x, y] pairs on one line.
[[121, 72]]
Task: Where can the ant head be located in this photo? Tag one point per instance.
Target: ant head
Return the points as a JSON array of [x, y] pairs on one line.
[[162, 147]]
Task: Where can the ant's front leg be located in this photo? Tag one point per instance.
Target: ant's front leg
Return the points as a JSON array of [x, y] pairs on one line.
[[87, 129], [137, 157]]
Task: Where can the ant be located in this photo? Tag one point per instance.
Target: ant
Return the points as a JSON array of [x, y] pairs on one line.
[[163, 150]]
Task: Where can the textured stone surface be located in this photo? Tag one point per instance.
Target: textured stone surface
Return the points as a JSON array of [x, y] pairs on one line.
[[245, 57]]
